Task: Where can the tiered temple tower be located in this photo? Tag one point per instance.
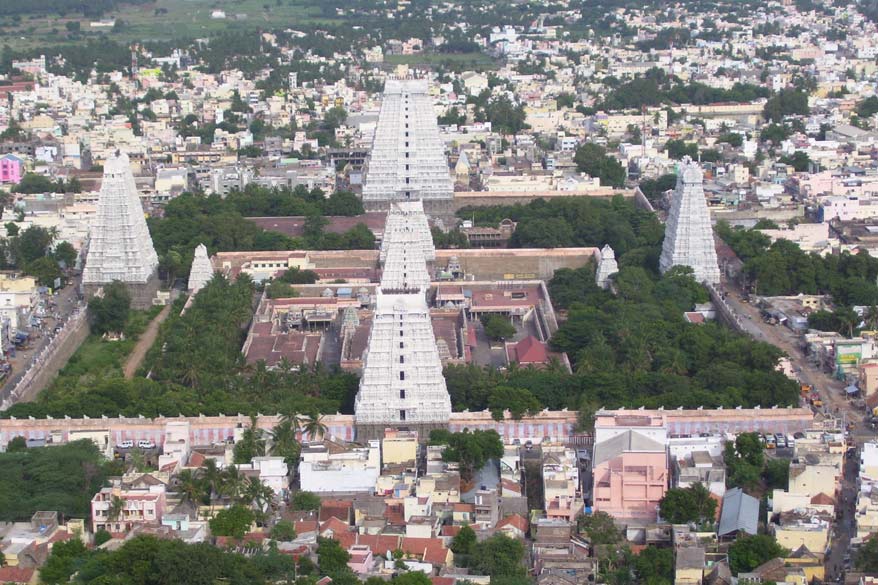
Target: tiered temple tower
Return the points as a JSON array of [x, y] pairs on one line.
[[201, 271], [408, 161], [688, 231], [402, 384], [607, 267], [120, 247]]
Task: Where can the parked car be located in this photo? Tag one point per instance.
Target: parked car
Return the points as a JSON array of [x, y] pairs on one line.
[[146, 444], [781, 440], [125, 444]]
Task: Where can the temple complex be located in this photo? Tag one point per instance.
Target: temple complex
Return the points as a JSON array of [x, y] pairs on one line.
[[120, 247], [407, 161], [688, 231]]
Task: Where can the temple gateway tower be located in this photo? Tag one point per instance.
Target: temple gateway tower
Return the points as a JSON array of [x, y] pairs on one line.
[[120, 247], [688, 231]]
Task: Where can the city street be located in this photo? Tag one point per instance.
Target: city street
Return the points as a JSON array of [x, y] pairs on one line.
[[65, 301]]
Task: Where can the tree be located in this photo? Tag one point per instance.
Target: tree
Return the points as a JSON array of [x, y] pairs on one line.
[[32, 244], [777, 473], [471, 449], [283, 443], [684, 505], [66, 557], [519, 401], [748, 552], [599, 527], [314, 427], [463, 544], [284, 531], [303, 500], [18, 444], [190, 487], [800, 161], [234, 521], [110, 312], [655, 566], [866, 559], [252, 443], [784, 103], [593, 160], [335, 117], [45, 270], [102, 536], [677, 149], [499, 556], [498, 327], [66, 253], [331, 557]]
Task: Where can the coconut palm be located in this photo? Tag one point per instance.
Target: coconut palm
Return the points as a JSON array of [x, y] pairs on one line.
[[212, 477], [190, 487], [314, 426], [284, 443], [232, 483], [259, 496], [114, 512]]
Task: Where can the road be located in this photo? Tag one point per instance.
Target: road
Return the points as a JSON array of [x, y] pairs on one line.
[[831, 390], [844, 524], [145, 342]]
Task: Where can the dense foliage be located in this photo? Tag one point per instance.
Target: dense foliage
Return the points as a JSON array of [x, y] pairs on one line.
[[147, 560], [62, 478], [782, 268], [593, 160], [748, 552], [684, 505], [471, 450], [35, 252], [196, 368], [110, 312], [220, 224]]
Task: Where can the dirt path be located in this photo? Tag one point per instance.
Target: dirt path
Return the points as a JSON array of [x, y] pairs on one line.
[[145, 342]]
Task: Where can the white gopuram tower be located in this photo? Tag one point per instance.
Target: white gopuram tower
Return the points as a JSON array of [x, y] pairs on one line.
[[688, 232], [406, 225], [402, 384], [607, 267], [407, 161], [201, 271], [120, 247]]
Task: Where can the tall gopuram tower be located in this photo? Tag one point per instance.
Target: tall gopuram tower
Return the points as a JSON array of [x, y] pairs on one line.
[[120, 247], [407, 161], [201, 271], [402, 384], [688, 231]]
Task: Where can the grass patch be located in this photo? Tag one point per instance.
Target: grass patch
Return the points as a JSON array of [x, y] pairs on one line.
[[99, 357]]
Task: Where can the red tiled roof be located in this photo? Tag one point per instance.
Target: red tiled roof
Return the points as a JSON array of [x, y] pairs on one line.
[[304, 526], [338, 224], [335, 525], [529, 350], [443, 580], [16, 575], [822, 499], [515, 521], [449, 530], [340, 509]]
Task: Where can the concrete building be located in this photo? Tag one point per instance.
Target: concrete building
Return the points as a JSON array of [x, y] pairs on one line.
[[408, 160], [118, 509], [120, 247], [688, 232], [630, 475], [335, 467]]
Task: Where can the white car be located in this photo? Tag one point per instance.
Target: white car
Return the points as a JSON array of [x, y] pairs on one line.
[[145, 444], [125, 444]]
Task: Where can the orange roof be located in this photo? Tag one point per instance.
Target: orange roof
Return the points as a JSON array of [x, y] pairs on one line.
[[16, 575], [530, 350], [449, 530], [335, 525], [514, 520], [822, 499]]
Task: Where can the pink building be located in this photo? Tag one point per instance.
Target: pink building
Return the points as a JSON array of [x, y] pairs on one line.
[[11, 169], [362, 560], [136, 507], [630, 476]]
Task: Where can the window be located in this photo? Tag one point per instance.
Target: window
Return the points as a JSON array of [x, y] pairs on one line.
[[400, 332], [401, 345], [402, 394], [401, 415], [402, 359], [402, 376]]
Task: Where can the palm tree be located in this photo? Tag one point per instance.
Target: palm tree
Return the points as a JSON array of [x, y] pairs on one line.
[[114, 512], [284, 443], [259, 496], [314, 426], [190, 487], [212, 476], [232, 483]]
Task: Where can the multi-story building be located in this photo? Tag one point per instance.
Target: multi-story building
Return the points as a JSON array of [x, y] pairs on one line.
[[118, 509]]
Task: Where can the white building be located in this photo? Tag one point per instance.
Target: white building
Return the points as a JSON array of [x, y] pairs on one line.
[[201, 271], [333, 467]]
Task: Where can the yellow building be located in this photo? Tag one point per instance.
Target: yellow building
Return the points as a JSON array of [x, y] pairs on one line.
[[399, 447]]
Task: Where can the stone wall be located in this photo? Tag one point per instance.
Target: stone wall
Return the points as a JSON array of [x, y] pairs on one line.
[[51, 359]]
